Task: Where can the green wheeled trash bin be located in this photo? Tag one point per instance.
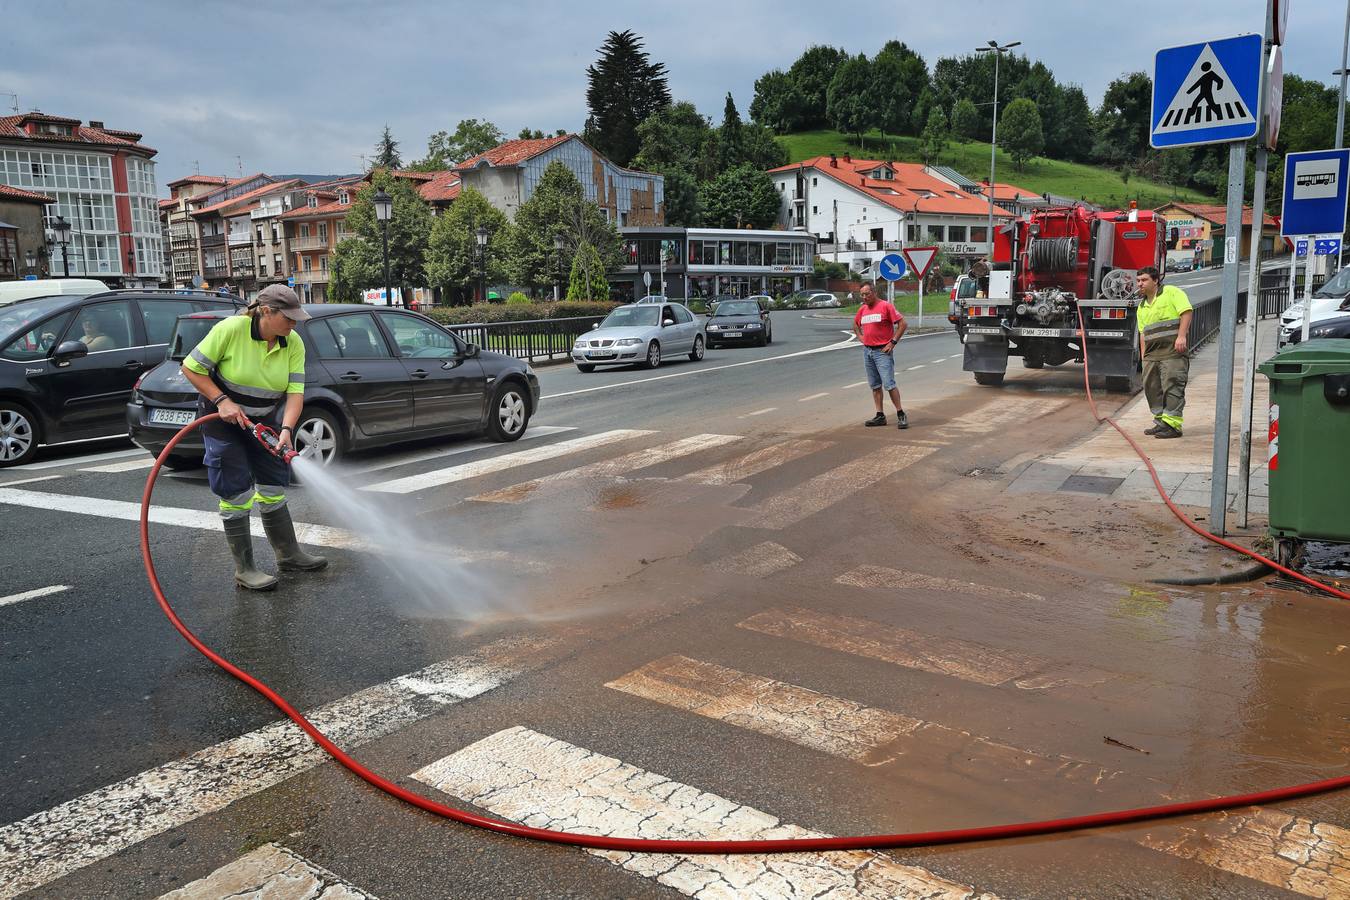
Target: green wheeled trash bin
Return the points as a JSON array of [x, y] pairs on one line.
[[1309, 444]]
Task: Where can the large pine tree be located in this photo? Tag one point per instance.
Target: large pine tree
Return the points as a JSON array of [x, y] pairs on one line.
[[625, 87], [386, 152]]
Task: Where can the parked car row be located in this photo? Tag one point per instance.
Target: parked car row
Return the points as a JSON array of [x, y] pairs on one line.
[[1331, 301], [654, 328], [108, 364]]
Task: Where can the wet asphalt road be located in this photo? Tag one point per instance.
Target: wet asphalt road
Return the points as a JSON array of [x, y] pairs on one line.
[[613, 574]]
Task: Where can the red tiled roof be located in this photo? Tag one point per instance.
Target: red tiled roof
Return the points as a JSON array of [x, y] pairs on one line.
[[248, 198], [167, 204], [1218, 214], [904, 192], [199, 179], [331, 207], [10, 128], [1005, 191], [13, 193], [513, 153], [442, 188]]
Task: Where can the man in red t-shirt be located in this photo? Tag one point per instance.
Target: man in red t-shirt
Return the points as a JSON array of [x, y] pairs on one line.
[[879, 325]]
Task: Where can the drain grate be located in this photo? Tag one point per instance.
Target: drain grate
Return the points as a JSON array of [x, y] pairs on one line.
[[1091, 484]]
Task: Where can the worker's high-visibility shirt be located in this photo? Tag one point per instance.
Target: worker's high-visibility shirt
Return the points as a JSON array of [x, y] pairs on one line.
[[1160, 321], [235, 356]]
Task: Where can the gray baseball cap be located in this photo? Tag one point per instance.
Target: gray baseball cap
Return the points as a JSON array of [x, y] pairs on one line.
[[280, 297]]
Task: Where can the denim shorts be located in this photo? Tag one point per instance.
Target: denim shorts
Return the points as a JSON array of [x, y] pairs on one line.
[[880, 367]]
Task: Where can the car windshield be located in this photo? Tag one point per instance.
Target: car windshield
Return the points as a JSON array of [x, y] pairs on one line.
[[632, 317], [188, 332], [737, 308], [18, 316], [1338, 286]]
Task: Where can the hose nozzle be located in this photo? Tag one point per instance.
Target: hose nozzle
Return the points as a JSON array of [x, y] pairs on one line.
[[272, 442]]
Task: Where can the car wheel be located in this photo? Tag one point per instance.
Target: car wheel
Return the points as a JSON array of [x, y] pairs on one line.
[[653, 355], [318, 436], [18, 435], [585, 368], [697, 353], [991, 379], [509, 413], [180, 463]]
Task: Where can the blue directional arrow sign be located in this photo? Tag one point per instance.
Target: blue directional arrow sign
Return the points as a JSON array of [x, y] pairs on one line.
[[1315, 192], [1206, 93], [892, 267]]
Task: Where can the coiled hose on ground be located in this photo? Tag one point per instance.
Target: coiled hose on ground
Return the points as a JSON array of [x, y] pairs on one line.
[[649, 845]]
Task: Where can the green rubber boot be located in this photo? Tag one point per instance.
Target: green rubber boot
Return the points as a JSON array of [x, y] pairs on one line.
[[281, 532], [240, 539]]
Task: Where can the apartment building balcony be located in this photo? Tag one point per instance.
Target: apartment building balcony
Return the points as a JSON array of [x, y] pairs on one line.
[[314, 276], [243, 238], [313, 242], [215, 273], [213, 240]]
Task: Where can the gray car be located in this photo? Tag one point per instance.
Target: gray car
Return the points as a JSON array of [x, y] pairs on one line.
[[640, 334]]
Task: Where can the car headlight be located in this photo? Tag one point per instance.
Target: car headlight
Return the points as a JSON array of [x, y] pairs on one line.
[[750, 326], [627, 342], [714, 327]]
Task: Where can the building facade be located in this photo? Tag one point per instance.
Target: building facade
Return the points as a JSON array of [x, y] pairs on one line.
[[1194, 230], [103, 183], [693, 263], [175, 214], [508, 174], [23, 242], [861, 209], [312, 231]]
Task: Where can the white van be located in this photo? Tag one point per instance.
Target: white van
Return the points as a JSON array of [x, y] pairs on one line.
[[47, 287]]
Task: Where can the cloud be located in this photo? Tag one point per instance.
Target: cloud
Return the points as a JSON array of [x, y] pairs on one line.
[[289, 87]]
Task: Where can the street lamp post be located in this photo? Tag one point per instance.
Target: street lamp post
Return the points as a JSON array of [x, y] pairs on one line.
[[481, 235], [558, 245], [384, 211], [998, 50], [62, 229]]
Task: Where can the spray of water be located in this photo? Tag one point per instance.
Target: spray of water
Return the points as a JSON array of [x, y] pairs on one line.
[[422, 577]]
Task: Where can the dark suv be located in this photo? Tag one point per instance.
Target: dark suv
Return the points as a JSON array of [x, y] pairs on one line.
[[68, 363]]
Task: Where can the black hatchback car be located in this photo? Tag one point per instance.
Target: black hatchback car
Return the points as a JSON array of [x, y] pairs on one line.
[[737, 321], [373, 376], [68, 363]]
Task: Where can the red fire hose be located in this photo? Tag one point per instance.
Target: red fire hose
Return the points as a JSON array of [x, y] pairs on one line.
[[648, 845]]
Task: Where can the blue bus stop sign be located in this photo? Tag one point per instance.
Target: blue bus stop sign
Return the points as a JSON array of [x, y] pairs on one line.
[[892, 267], [1315, 192], [1206, 93]]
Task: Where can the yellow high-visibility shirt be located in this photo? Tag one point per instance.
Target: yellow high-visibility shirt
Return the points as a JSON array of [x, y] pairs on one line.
[[1160, 321]]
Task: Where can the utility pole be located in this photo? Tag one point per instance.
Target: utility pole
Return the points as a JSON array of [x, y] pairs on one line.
[[1340, 107], [835, 227], [998, 51]]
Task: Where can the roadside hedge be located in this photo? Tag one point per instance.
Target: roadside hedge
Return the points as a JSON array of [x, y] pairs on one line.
[[515, 312]]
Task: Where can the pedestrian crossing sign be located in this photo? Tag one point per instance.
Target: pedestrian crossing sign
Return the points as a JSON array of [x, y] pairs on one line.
[[1207, 93]]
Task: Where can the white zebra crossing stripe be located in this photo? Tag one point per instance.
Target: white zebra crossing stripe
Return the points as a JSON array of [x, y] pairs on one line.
[[532, 778], [734, 471], [272, 872], [1267, 845], [987, 420], [1312, 858], [823, 491], [209, 520], [55, 842], [840, 727], [609, 468], [439, 477], [872, 577], [759, 561], [130, 465], [406, 459], [966, 660], [34, 594]]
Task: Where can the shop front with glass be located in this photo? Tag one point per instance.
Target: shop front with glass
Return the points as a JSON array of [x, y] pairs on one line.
[[704, 263]]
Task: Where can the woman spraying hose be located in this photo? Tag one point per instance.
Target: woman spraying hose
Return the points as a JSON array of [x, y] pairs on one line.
[[244, 369]]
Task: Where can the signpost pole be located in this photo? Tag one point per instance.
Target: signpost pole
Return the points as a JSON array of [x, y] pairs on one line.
[[1223, 402], [1293, 278], [1307, 287], [1250, 337]]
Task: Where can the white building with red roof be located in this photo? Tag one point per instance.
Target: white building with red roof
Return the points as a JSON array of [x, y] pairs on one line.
[[861, 209], [508, 174], [103, 183]]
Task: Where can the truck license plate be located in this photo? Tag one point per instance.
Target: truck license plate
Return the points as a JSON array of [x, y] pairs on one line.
[[172, 416], [1038, 332]]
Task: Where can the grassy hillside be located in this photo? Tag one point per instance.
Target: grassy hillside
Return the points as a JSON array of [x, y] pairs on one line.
[[1096, 185]]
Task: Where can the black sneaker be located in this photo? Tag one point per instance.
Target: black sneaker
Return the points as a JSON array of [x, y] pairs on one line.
[[1157, 427], [902, 420], [1167, 431], [878, 419]]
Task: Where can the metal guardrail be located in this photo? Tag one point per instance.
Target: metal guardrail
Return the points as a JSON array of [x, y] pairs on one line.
[[528, 339]]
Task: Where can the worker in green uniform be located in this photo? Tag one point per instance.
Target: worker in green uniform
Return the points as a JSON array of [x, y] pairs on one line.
[[251, 368], [1164, 324]]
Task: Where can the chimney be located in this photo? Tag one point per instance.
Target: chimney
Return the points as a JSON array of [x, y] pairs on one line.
[[834, 161], [848, 157], [94, 124]]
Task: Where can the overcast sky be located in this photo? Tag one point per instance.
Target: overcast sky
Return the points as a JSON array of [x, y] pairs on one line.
[[287, 87]]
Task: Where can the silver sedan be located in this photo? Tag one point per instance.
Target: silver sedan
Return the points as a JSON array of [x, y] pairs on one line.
[[640, 334]]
